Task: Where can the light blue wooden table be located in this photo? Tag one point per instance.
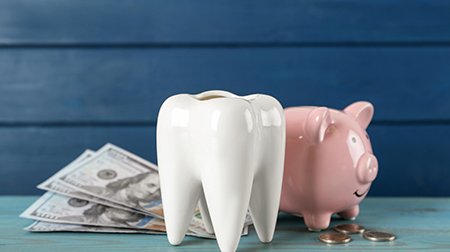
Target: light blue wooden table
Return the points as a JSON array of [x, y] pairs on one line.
[[419, 223]]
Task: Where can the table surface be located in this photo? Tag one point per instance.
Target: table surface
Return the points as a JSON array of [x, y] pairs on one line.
[[419, 223]]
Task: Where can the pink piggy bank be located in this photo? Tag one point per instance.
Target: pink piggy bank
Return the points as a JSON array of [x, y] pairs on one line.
[[329, 164]]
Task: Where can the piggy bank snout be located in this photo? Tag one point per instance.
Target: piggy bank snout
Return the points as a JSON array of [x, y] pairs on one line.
[[367, 168]]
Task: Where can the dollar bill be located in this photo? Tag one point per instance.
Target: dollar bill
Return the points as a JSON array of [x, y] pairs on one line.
[[53, 184], [58, 208], [111, 190], [72, 214], [42, 226], [118, 176]]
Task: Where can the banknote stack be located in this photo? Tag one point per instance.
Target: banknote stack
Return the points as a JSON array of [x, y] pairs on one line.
[[107, 191]]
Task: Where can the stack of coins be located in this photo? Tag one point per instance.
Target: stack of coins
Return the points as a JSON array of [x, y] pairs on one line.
[[343, 232]]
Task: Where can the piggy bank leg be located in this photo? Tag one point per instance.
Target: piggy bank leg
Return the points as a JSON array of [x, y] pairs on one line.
[[351, 213], [316, 222]]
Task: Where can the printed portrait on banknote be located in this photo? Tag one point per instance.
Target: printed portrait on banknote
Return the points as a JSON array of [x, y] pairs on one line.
[[140, 191]]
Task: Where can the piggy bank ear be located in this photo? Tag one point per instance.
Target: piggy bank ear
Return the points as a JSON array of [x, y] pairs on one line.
[[362, 111], [316, 124]]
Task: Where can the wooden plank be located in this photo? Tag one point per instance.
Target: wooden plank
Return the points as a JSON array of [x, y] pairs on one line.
[[29, 22], [32, 154], [419, 223], [104, 85], [413, 159]]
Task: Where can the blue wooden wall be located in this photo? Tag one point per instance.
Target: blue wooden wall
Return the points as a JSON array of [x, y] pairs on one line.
[[76, 74]]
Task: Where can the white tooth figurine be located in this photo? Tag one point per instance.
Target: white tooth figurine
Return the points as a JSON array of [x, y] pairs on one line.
[[225, 152]]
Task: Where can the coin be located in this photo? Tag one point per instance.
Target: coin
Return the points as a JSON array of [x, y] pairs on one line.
[[349, 228], [378, 236], [335, 238]]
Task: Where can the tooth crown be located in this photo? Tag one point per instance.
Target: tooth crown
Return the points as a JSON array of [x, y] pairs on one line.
[[227, 152]]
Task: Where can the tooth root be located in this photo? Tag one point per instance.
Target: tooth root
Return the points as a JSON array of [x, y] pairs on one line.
[[265, 201], [227, 191], [266, 190], [205, 214], [180, 196]]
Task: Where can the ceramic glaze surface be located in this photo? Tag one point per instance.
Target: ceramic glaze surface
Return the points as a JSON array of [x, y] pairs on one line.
[[329, 164], [225, 152]]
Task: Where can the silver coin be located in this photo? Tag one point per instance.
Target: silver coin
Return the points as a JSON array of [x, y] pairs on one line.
[[378, 236], [349, 228], [335, 238]]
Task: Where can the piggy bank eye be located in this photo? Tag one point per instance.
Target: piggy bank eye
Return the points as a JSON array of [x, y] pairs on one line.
[[367, 136], [355, 146]]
